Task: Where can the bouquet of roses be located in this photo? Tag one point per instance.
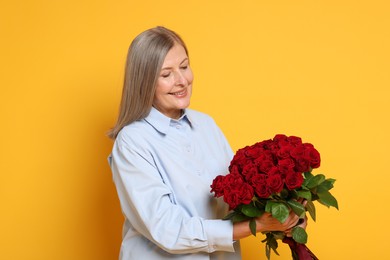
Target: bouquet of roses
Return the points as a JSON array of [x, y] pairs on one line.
[[274, 176]]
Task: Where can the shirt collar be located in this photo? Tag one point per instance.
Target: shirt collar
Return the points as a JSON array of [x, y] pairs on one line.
[[162, 123]]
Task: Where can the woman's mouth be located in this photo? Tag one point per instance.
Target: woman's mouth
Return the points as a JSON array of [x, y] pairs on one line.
[[182, 93]]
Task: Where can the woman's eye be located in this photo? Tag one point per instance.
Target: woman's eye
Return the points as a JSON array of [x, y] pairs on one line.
[[165, 75], [184, 67]]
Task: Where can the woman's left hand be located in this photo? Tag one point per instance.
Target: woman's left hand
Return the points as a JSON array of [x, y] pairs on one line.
[[303, 224]]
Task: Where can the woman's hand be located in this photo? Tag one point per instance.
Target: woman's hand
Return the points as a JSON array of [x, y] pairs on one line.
[[303, 224], [266, 223]]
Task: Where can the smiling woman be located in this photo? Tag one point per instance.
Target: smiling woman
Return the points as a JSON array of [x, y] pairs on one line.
[[161, 161]]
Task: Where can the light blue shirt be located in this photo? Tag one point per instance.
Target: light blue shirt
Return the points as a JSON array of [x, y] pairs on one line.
[[163, 169]]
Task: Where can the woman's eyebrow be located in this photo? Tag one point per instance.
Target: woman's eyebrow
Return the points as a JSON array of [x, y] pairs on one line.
[[167, 68]]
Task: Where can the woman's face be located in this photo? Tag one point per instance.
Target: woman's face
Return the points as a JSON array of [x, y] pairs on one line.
[[174, 84]]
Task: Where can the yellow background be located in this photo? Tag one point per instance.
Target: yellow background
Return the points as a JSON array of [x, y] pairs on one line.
[[316, 69]]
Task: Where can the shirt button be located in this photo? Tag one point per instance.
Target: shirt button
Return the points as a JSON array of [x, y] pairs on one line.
[[178, 127]]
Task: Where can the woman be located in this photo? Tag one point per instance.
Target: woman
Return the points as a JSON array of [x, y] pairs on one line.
[[165, 157]]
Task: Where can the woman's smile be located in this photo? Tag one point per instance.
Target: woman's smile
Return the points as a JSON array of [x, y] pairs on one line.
[[180, 94]]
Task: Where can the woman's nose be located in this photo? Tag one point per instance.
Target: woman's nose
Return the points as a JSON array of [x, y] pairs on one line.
[[179, 79]]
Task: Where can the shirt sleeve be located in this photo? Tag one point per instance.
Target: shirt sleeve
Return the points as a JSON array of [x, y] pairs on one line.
[[148, 203]]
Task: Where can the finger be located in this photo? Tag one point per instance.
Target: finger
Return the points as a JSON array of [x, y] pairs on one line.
[[294, 217], [288, 232], [292, 222], [304, 222]]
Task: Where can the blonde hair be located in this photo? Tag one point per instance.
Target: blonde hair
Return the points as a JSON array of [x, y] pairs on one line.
[[144, 61]]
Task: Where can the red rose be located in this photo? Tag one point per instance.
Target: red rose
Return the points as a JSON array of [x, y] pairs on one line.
[[265, 166], [234, 170], [262, 189], [286, 165], [298, 152], [239, 160], [271, 146], [259, 184], [249, 169], [284, 152], [233, 180], [231, 198], [253, 152], [312, 155], [246, 193], [294, 140], [253, 179], [280, 139], [264, 144], [275, 183], [264, 161], [218, 185], [274, 170], [248, 178], [293, 180], [302, 165], [240, 193]]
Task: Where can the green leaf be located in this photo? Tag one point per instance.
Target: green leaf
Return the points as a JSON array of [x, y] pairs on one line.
[[267, 251], [239, 218], [325, 186], [280, 211], [297, 207], [304, 194], [315, 181], [331, 180], [274, 245], [270, 243], [230, 215], [314, 197], [252, 226], [312, 209], [251, 210], [268, 206], [308, 175], [299, 235], [327, 199], [278, 234]]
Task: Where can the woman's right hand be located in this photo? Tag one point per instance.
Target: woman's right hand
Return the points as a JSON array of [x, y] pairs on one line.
[[267, 222], [264, 223]]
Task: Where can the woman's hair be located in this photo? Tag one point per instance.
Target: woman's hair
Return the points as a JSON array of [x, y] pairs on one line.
[[144, 61]]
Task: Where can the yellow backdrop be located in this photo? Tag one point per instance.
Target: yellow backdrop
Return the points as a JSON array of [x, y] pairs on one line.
[[316, 69]]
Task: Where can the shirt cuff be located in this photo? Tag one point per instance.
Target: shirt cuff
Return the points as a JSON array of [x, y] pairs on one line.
[[219, 235]]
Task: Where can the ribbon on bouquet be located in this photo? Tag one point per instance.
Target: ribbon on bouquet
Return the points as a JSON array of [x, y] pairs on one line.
[[299, 251]]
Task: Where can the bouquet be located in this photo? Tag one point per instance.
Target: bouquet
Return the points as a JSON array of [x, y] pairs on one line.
[[275, 176]]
